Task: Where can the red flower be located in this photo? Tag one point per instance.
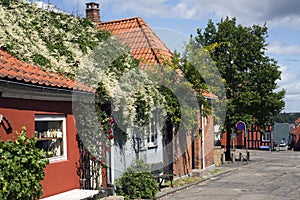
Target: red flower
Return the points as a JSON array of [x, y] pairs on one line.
[[110, 131], [112, 120], [102, 162], [110, 137]]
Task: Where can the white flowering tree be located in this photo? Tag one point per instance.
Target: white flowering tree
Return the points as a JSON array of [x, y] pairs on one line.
[[75, 47]]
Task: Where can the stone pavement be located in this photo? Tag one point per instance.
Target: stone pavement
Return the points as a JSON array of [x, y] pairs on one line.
[[227, 167], [269, 175]]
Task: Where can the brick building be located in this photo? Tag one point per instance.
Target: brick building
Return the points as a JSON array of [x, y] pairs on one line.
[[294, 139]]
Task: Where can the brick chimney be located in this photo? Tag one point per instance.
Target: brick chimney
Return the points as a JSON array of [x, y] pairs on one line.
[[93, 12]]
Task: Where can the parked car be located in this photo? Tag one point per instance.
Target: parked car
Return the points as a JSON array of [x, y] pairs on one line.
[[283, 146]]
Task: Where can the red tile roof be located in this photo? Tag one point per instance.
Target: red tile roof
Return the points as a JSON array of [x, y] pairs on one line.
[[298, 120], [209, 95], [145, 45], [16, 70], [295, 130]]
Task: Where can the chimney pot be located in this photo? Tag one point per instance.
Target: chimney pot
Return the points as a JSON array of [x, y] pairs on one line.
[[93, 12]]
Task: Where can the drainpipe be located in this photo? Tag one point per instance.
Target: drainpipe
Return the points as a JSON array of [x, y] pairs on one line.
[[203, 138]]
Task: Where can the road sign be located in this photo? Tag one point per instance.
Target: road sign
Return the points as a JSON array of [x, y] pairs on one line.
[[240, 126]]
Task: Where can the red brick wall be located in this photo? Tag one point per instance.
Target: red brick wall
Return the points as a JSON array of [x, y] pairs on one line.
[[182, 154], [209, 142], [198, 153], [182, 150]]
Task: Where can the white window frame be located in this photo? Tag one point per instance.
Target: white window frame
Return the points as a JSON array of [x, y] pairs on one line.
[[266, 137], [64, 130], [152, 134]]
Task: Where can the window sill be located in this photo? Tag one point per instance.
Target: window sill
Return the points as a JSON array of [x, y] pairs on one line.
[[152, 145], [57, 159]]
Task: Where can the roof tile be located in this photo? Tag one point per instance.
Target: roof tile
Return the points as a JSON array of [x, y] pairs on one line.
[[143, 42], [145, 45], [295, 130], [12, 68], [298, 120]]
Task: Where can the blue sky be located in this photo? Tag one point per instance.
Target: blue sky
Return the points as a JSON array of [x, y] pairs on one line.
[[175, 20]]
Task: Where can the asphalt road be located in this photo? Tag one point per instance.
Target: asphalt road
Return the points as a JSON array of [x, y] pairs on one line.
[[275, 175]]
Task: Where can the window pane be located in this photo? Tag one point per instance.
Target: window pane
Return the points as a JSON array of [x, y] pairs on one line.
[[50, 136]]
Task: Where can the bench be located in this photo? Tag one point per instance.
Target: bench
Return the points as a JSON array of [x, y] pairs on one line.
[[157, 171], [75, 194]]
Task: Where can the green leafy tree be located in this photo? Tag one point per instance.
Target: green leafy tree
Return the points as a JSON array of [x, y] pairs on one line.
[[249, 74], [286, 117], [21, 168]]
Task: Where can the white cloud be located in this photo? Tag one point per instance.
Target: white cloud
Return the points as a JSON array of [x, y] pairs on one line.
[[292, 89], [275, 13], [289, 21], [46, 6], [278, 47], [286, 76], [290, 82]]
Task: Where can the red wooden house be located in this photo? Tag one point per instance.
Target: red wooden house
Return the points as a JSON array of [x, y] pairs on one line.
[[254, 139], [294, 139], [42, 102]]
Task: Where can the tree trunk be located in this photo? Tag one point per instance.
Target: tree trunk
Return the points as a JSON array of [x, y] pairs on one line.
[[228, 145]]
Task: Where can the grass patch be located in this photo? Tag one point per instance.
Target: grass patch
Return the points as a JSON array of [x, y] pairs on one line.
[[216, 171], [183, 181]]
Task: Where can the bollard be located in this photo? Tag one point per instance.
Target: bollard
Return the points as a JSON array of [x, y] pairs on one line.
[[232, 157], [223, 158], [248, 156]]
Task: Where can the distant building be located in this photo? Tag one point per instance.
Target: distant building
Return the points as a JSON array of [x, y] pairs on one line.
[[282, 130], [255, 139], [294, 136]]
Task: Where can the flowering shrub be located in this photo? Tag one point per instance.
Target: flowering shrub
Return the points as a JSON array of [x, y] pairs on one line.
[[74, 47], [53, 40]]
